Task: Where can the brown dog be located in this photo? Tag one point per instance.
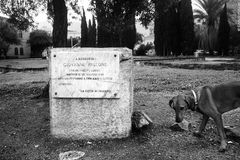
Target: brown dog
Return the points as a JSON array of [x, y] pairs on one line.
[[210, 102]]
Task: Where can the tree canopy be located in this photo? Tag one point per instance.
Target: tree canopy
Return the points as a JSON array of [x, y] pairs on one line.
[[40, 37], [8, 35], [39, 40], [21, 12], [116, 21], [173, 28], [209, 10]]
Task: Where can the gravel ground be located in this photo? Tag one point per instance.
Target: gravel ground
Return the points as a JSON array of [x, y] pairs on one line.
[[24, 63]]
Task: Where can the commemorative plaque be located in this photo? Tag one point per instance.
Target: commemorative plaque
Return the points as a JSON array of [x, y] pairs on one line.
[[85, 74]]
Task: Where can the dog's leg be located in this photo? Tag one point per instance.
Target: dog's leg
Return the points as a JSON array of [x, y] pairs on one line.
[[217, 117], [208, 107], [202, 126], [219, 124]]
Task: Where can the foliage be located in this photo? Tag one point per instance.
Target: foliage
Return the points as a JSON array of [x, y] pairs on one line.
[[91, 33], [234, 40], [174, 28], [89, 30], [40, 37], [57, 11], [39, 40], [21, 12], [139, 37], [116, 21], [207, 38], [8, 35], [110, 21], [209, 12], [234, 36], [129, 34], [84, 30], [143, 49], [94, 32], [159, 26], [60, 23], [167, 28], [145, 11], [187, 27], [223, 32]]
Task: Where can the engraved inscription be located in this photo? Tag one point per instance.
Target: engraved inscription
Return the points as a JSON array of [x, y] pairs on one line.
[[85, 75]]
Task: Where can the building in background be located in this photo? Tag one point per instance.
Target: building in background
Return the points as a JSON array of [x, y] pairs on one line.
[[23, 50]]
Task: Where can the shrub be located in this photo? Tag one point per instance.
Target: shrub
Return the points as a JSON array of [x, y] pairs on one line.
[[39, 40], [8, 35], [143, 49]]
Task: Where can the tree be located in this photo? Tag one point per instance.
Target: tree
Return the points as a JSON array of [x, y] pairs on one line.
[[167, 28], [21, 12], [84, 31], [101, 10], [89, 36], [116, 21], [234, 36], [129, 33], [8, 35], [159, 26], [186, 27], [94, 32], [60, 23], [209, 12], [223, 32], [57, 10], [39, 40], [172, 32]]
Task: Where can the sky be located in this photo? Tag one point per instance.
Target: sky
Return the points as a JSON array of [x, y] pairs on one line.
[[74, 28]]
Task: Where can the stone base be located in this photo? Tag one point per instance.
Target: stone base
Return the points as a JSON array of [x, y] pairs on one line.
[[232, 131], [95, 118]]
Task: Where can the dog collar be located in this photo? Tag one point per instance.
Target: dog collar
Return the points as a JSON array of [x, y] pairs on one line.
[[195, 98]]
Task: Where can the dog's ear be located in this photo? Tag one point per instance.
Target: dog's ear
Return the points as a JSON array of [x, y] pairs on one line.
[[171, 103]]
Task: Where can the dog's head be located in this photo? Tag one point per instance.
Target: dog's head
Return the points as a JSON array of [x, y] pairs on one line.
[[179, 104]]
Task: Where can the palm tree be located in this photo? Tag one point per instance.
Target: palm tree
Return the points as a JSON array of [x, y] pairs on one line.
[[209, 11]]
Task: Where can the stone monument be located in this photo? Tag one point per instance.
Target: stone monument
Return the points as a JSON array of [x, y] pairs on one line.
[[91, 92]]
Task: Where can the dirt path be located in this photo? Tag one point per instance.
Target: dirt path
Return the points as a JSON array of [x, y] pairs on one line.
[[25, 132]]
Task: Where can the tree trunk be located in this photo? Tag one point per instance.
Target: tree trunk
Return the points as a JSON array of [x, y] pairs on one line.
[[60, 23]]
